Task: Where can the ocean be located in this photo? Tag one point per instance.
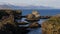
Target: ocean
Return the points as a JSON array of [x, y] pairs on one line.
[[43, 12]]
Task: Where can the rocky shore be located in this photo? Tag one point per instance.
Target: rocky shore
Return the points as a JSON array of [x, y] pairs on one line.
[[52, 25]]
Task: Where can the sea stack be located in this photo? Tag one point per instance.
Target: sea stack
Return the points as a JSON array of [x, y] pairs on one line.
[[51, 26]]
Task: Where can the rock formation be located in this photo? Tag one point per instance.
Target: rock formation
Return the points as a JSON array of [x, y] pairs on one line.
[[33, 19], [51, 26], [34, 16], [34, 25], [7, 23], [36, 13]]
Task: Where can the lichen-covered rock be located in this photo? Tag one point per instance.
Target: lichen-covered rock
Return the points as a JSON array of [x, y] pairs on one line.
[[51, 26]]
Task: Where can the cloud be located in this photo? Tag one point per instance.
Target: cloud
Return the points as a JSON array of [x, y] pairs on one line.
[[51, 3]]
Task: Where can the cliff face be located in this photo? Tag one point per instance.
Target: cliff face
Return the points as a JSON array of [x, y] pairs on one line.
[[51, 26]]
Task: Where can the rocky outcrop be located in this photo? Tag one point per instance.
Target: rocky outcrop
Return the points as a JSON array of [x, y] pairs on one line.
[[51, 26], [36, 13], [7, 23], [34, 25]]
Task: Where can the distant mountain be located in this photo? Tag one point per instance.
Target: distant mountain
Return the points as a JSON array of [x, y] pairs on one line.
[[37, 7], [9, 6], [5, 6]]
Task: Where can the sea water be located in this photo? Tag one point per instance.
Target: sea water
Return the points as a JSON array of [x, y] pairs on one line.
[[43, 12]]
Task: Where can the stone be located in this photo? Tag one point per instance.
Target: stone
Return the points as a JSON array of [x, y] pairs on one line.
[[51, 26], [36, 13], [30, 17], [34, 25]]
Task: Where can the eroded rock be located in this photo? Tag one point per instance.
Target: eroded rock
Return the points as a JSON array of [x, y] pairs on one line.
[[51, 26]]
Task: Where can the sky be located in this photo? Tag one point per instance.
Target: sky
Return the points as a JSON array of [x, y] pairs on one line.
[[49, 3]]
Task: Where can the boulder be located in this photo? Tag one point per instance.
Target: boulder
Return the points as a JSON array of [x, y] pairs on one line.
[[34, 25]]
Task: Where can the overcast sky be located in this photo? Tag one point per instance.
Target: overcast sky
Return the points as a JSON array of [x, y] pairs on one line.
[[50, 3]]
